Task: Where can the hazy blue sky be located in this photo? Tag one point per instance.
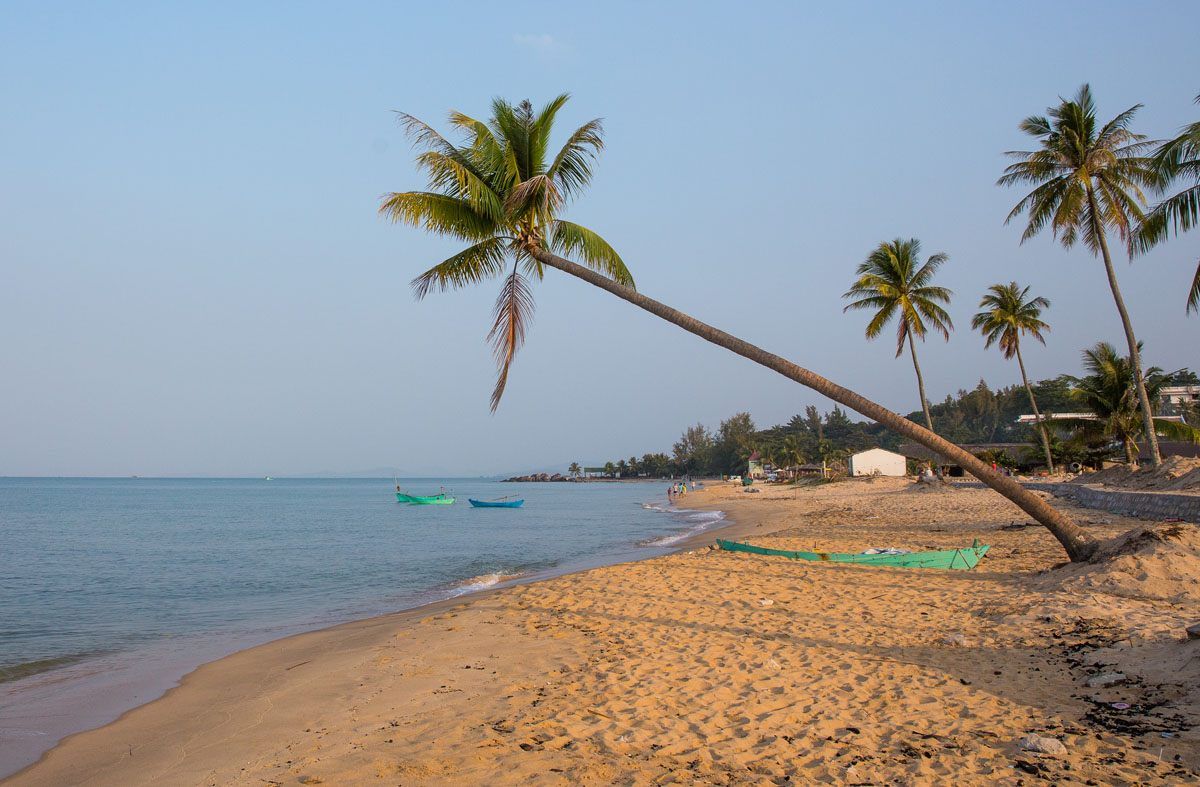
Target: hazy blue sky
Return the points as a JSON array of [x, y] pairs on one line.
[[193, 277]]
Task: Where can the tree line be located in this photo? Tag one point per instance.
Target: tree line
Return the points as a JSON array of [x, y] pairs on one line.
[[977, 416]]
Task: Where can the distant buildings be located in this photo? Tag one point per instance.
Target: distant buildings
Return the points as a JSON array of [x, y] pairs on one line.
[[756, 468]]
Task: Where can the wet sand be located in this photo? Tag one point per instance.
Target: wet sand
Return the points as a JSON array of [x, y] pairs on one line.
[[716, 667]]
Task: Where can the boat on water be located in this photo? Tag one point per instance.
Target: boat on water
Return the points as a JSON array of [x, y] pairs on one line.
[[496, 503], [962, 559], [439, 499], [436, 500]]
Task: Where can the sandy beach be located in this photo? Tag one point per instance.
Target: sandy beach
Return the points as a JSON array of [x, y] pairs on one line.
[[715, 667]]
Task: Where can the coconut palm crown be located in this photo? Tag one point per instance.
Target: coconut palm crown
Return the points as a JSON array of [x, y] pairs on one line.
[[1087, 179], [502, 191], [1008, 312], [1176, 159], [893, 282]]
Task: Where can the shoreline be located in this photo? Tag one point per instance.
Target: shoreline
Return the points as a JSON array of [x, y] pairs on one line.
[[710, 666], [725, 527]]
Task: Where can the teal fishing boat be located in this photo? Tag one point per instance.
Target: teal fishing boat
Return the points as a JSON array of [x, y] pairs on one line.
[[437, 500], [962, 559], [496, 503], [401, 497]]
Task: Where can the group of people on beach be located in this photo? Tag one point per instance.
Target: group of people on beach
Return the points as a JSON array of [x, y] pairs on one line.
[[679, 489]]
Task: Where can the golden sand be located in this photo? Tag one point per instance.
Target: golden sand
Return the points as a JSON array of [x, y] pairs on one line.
[[716, 667]]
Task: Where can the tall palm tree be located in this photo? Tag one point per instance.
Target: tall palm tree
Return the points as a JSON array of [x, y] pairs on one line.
[[1176, 159], [502, 193], [893, 282], [1087, 180], [574, 469], [1109, 394], [1008, 312]]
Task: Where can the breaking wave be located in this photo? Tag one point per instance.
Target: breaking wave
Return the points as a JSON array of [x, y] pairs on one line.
[[694, 522], [485, 581]]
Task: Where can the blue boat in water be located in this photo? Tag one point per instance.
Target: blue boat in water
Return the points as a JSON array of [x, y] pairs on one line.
[[496, 503]]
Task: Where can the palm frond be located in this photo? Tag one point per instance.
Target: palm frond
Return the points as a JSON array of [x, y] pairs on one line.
[[512, 125], [569, 238], [513, 311], [1177, 431], [484, 260], [539, 132], [451, 176], [882, 317], [1193, 303], [572, 167], [537, 197], [437, 213]]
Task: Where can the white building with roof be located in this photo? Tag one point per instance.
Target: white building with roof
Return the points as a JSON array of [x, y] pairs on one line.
[[877, 461]]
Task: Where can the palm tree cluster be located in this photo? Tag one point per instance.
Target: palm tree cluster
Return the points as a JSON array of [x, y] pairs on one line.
[[502, 192], [1089, 181], [1108, 393]]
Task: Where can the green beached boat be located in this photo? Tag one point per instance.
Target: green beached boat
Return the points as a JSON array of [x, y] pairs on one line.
[[962, 559]]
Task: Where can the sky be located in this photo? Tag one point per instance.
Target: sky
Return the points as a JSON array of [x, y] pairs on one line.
[[194, 278]]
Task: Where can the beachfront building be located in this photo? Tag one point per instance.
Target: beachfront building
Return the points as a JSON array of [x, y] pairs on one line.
[[1179, 394], [757, 468], [877, 461]]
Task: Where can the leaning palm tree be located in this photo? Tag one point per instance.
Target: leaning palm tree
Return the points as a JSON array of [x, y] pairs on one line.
[[1008, 312], [1087, 180], [1176, 159], [502, 192], [893, 282], [1108, 393]]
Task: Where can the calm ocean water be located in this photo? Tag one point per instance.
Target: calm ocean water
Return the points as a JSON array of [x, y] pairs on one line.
[[111, 589]]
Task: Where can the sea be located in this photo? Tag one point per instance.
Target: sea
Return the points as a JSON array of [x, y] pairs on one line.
[[112, 589]]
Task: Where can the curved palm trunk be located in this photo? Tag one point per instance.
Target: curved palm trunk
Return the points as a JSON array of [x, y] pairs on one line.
[[1078, 544], [1135, 357], [1037, 416], [912, 348]]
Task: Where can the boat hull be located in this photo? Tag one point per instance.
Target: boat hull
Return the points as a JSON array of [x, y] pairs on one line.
[[492, 504], [960, 559], [403, 498], [441, 500]]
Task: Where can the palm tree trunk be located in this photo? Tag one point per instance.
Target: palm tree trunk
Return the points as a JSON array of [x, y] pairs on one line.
[[1037, 416], [1131, 452], [1077, 543], [912, 348], [1135, 357]]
